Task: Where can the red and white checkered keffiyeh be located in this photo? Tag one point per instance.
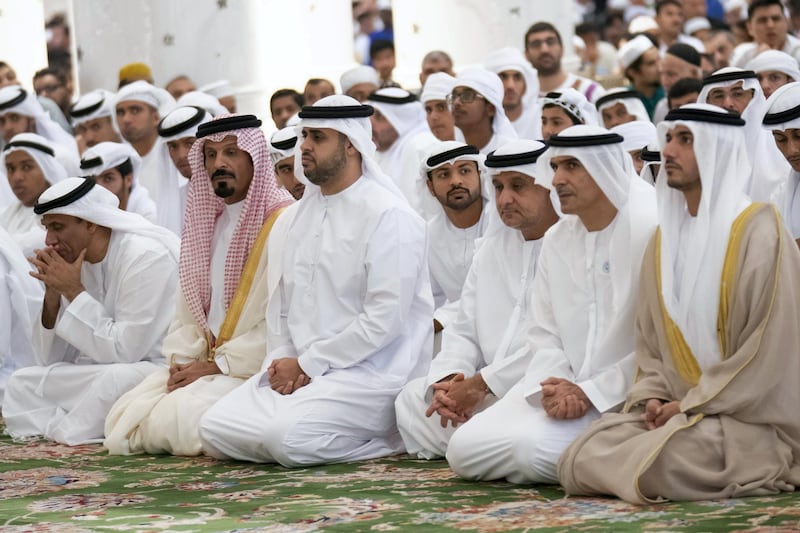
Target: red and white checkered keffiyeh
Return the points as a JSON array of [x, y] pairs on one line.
[[202, 209]]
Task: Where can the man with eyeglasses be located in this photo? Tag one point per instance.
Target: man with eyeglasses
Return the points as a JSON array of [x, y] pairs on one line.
[[477, 106], [738, 91], [544, 49]]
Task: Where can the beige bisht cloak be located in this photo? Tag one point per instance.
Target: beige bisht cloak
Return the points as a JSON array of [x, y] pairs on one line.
[[148, 419], [738, 432]]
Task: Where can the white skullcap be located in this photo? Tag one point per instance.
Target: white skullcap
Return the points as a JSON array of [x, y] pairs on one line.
[[92, 105], [642, 24], [636, 11], [361, 74], [204, 100], [437, 87], [775, 60], [488, 84], [578, 43], [575, 104], [100, 206], [783, 108], [182, 122], [218, 89], [602, 155], [107, 155], [282, 143], [633, 50], [141, 91], [637, 134], [622, 95], [43, 151], [519, 155], [696, 24], [448, 152], [730, 5], [401, 108]]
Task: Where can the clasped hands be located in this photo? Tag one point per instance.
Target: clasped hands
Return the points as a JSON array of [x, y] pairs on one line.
[[286, 376], [57, 273], [657, 412], [563, 400], [456, 397]]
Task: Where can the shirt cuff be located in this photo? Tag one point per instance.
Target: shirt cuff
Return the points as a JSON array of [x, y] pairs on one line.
[[311, 367], [222, 363]]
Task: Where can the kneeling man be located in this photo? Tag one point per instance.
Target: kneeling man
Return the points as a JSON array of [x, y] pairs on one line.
[[109, 279], [582, 314], [350, 321]]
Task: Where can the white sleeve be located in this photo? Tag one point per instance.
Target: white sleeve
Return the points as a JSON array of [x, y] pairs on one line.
[[395, 260], [143, 310]]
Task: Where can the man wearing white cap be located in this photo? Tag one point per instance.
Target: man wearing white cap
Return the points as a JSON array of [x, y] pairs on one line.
[[639, 60], [437, 113], [360, 82], [401, 137], [178, 131], [738, 91], [636, 135], [281, 152], [21, 112], [717, 310], [139, 107], [20, 303], [223, 91], [768, 24], [92, 119], [29, 163], [217, 339], [580, 331], [477, 105], [621, 105], [782, 118], [544, 50], [774, 69], [521, 91], [115, 166], [340, 346], [204, 101], [452, 172], [560, 110], [110, 279], [481, 357]]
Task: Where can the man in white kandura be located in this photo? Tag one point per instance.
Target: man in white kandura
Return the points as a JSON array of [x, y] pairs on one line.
[[350, 321]]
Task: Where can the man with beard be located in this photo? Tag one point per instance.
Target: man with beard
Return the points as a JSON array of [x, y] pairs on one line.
[[639, 58], [452, 172], [349, 322], [480, 358], [217, 339], [544, 50]]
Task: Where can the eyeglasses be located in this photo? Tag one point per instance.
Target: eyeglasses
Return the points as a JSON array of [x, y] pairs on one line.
[[466, 96], [550, 42]]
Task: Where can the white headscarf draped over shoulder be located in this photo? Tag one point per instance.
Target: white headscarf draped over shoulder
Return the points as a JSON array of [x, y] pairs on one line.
[[692, 300]]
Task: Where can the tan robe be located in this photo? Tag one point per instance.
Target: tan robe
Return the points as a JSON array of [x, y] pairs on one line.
[[148, 419], [738, 433]]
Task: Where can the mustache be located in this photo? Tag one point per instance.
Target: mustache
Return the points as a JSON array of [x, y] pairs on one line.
[[457, 189], [221, 172]]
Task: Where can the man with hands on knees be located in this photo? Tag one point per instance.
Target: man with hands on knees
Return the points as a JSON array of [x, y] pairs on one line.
[[109, 279]]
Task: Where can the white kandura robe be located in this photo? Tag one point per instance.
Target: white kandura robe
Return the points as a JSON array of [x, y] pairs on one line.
[[139, 202], [20, 302], [24, 227], [450, 252], [148, 419], [103, 344], [154, 170], [354, 306], [487, 336], [582, 330]]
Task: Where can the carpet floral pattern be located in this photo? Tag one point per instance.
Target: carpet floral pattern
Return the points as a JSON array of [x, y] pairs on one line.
[[50, 487]]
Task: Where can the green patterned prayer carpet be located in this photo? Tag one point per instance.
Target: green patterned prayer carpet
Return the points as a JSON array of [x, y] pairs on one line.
[[50, 487]]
